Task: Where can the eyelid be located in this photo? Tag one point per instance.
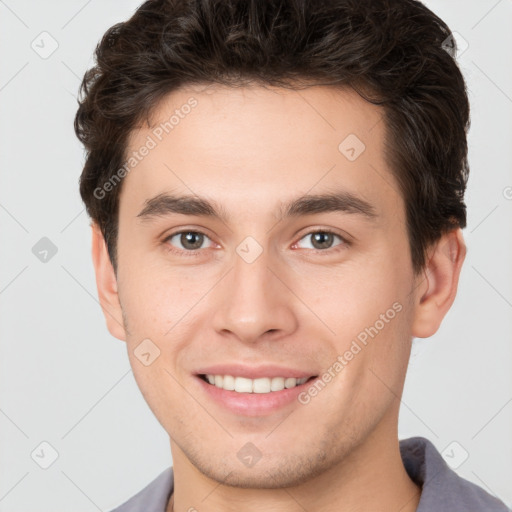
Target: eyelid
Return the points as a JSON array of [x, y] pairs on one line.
[[345, 240], [175, 250]]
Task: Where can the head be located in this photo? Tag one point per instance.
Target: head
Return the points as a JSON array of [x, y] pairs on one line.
[[316, 155]]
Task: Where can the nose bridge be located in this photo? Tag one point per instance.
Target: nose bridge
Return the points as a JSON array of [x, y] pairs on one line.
[[252, 300]]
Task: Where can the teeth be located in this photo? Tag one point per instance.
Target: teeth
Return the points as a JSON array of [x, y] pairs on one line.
[[290, 382], [277, 384], [243, 385], [229, 383], [262, 385]]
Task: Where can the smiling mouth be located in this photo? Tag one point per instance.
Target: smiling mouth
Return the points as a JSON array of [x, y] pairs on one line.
[[248, 386]]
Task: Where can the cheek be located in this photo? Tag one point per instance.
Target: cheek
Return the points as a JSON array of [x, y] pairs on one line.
[[366, 307], [374, 367], [154, 301], [387, 350], [156, 383], [352, 297]]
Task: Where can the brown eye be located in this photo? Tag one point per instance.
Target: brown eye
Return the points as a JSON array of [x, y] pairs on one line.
[[323, 240], [189, 240]]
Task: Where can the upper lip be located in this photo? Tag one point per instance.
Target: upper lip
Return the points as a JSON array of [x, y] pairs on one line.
[[254, 372]]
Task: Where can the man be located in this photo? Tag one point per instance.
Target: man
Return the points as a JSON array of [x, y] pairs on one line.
[[276, 192]]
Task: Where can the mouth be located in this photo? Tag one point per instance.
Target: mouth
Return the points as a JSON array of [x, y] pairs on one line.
[[262, 385], [249, 390]]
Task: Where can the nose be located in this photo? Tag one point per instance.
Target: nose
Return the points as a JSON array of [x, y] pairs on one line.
[[254, 301]]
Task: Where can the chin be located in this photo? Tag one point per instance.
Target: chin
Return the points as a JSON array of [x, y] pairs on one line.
[[274, 474]]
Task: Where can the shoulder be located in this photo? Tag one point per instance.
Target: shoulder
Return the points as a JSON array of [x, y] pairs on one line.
[[442, 488], [153, 498]]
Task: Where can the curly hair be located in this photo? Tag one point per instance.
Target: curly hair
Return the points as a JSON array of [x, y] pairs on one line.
[[394, 53]]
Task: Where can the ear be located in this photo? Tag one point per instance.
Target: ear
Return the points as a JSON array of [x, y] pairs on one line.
[[106, 282], [436, 286]]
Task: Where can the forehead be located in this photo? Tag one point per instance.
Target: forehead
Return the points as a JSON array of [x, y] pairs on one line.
[[255, 145]]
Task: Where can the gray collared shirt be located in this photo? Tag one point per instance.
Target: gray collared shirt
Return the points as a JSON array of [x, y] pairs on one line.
[[442, 489]]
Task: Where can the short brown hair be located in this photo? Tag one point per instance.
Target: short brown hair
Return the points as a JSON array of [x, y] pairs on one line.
[[392, 52]]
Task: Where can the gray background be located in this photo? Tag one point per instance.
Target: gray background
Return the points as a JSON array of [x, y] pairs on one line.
[[67, 382]]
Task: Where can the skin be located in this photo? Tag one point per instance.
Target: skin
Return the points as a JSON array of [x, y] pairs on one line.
[[250, 149]]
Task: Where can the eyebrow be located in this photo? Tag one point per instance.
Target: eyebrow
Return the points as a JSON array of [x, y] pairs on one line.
[[343, 201]]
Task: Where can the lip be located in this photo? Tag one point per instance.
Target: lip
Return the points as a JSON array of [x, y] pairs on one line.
[[254, 372], [253, 404]]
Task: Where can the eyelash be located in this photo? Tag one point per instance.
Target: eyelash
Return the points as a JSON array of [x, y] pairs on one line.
[[196, 252]]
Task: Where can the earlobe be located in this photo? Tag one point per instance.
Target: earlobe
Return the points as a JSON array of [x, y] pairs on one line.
[[436, 288], [106, 283]]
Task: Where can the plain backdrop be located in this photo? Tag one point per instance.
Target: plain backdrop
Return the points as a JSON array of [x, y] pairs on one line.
[[67, 383]]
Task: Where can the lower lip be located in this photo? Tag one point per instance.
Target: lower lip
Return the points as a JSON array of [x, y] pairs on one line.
[[253, 404]]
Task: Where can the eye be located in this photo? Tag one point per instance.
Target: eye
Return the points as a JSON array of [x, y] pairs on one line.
[[190, 240], [322, 240]]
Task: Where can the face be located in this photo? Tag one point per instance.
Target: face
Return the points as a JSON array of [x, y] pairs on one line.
[[256, 279]]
